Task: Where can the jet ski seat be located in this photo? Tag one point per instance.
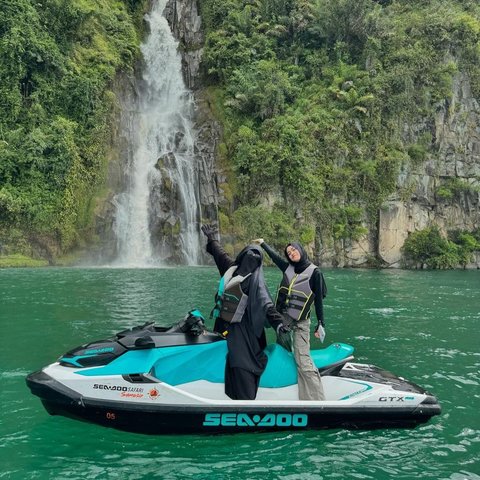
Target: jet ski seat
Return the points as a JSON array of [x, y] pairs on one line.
[[180, 365], [281, 369]]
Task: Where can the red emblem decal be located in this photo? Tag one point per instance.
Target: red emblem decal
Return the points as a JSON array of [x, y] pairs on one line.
[[153, 394]]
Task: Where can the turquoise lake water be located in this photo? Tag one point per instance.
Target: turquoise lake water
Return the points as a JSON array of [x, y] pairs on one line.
[[421, 325]]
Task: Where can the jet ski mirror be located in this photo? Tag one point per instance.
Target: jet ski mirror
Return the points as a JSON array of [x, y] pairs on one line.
[[145, 342], [192, 324]]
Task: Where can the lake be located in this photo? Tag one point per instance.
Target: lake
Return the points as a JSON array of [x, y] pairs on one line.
[[421, 325]]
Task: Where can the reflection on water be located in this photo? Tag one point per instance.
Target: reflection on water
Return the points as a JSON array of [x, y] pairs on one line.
[[421, 325]]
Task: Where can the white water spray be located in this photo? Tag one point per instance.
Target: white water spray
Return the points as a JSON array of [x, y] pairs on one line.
[[161, 128]]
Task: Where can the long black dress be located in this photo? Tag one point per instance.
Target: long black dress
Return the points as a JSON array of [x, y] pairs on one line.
[[246, 340]]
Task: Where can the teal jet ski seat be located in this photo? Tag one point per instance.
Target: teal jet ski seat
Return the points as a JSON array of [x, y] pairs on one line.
[[179, 365], [281, 369]]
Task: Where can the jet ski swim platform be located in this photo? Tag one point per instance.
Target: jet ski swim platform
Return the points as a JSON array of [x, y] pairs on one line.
[[156, 380]]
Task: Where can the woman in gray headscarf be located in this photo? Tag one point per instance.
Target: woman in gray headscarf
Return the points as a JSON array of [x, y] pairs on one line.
[[302, 286], [243, 306]]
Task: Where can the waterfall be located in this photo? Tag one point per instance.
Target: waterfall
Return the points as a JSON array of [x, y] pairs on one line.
[[157, 216]]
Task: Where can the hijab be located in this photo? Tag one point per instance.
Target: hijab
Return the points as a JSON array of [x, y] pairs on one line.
[[303, 263], [249, 260]]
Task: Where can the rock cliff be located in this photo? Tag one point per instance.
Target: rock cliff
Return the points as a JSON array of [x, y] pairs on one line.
[[442, 190], [186, 26]]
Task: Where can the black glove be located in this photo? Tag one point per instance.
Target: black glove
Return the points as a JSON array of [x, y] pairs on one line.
[[283, 329], [209, 231]]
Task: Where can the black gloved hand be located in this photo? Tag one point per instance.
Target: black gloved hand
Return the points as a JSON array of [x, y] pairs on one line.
[[209, 231], [283, 329]]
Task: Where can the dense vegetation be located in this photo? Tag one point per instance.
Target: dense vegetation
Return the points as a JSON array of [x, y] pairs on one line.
[[58, 59], [315, 96], [428, 248]]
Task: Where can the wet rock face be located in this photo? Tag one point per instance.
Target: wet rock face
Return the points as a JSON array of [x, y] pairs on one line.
[[457, 132], [166, 207], [208, 138], [186, 26], [120, 150], [453, 158]]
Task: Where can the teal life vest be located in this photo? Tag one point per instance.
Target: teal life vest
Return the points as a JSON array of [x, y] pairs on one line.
[[230, 300]]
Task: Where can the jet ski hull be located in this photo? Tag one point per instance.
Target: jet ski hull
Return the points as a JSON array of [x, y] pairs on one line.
[[241, 416]]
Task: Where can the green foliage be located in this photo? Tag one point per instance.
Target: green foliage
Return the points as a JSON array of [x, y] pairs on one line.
[[429, 248], [466, 28], [256, 169], [467, 243], [454, 188], [345, 26], [57, 60], [348, 223], [262, 90], [317, 95], [224, 222], [226, 51], [418, 151], [257, 221], [307, 234], [18, 260]]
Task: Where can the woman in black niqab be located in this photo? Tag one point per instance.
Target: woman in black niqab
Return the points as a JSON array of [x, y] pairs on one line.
[[246, 340]]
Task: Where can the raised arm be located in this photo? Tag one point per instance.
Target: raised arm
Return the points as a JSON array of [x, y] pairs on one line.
[[277, 259], [223, 261]]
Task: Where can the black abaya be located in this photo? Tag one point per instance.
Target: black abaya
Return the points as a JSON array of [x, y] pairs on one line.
[[246, 340]]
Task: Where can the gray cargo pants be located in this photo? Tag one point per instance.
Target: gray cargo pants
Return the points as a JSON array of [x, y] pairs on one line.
[[309, 381]]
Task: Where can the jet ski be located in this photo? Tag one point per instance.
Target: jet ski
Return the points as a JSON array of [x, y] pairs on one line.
[[157, 380]]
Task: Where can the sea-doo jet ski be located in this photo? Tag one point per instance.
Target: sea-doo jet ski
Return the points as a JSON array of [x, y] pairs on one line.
[[152, 379]]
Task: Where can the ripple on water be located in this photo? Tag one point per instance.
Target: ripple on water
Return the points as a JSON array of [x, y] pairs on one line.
[[424, 335], [14, 374], [14, 438], [387, 311], [446, 352], [464, 475], [471, 434]]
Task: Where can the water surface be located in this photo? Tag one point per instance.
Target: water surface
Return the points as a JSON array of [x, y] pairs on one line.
[[421, 325]]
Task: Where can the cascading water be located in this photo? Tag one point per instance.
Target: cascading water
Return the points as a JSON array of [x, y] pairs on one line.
[[161, 172]]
